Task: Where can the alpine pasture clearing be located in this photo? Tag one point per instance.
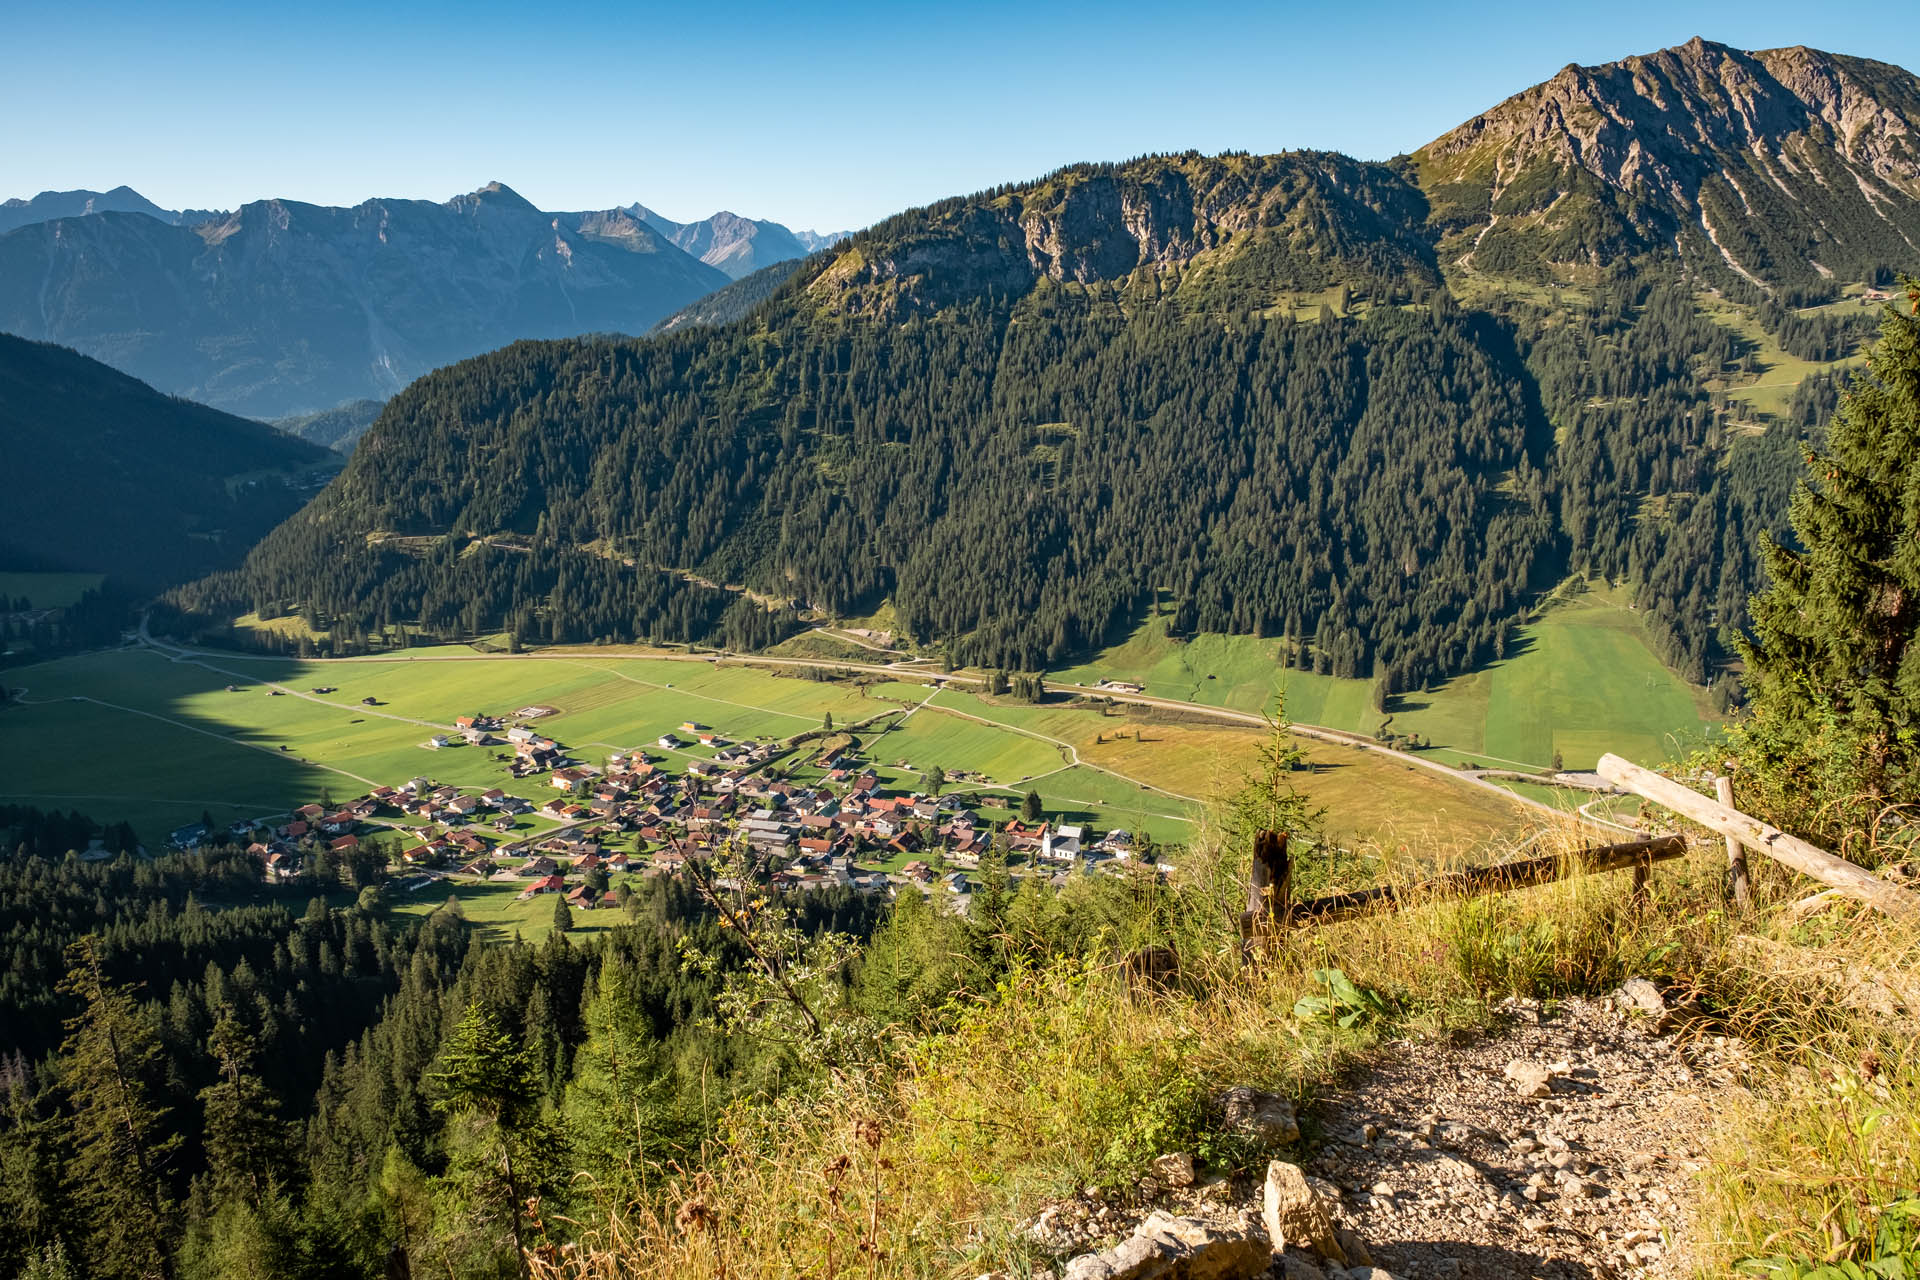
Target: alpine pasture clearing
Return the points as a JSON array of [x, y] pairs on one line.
[[1778, 372], [494, 909], [1580, 680]]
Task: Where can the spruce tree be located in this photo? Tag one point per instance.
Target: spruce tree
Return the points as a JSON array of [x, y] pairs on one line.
[[246, 1144], [1834, 731], [987, 909], [562, 914], [1030, 807], [32, 1201], [500, 1151], [121, 1146]]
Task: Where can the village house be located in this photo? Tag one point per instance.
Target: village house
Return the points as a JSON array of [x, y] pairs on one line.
[[546, 884]]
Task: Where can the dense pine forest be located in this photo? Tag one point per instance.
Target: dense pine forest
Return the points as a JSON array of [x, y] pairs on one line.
[[107, 475]]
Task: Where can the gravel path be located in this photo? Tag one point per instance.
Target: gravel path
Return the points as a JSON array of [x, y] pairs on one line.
[[1446, 1165]]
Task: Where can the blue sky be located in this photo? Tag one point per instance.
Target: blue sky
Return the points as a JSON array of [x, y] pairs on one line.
[[822, 117]]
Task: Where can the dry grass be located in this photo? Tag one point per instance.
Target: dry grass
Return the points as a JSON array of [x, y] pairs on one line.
[[1060, 1079]]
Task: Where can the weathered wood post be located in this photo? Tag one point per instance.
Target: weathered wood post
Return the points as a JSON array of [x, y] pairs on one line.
[[1269, 890], [1736, 852]]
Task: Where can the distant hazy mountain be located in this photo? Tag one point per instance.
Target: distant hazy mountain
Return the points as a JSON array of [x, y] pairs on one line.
[[106, 474], [49, 205], [738, 246], [281, 307], [338, 428]]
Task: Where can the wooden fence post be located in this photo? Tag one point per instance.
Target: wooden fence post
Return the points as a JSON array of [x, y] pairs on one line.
[[1269, 888], [1736, 852]]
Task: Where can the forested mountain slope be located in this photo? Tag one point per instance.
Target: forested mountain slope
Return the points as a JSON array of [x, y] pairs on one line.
[[105, 474], [1017, 414], [1276, 387], [281, 307]]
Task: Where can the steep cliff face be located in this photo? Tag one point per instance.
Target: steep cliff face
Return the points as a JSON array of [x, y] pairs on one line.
[[1784, 166], [1287, 222], [282, 307]]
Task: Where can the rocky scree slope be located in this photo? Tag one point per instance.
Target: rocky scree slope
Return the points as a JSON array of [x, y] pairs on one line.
[[1560, 1146], [1783, 167]]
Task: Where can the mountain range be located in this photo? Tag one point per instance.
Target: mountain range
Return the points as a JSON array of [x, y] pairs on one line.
[[281, 308], [1370, 410], [49, 205], [738, 246]]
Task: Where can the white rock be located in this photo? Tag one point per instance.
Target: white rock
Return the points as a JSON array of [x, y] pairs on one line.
[[1295, 1215]]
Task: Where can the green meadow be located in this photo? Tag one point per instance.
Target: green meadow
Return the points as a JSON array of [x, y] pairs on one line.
[[157, 740], [134, 734], [1580, 680]]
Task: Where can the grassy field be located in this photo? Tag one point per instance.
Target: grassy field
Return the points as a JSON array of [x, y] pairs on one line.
[[132, 734], [46, 590], [1579, 680], [492, 907]]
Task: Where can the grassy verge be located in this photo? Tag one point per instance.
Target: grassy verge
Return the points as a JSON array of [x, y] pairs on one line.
[[1060, 1079]]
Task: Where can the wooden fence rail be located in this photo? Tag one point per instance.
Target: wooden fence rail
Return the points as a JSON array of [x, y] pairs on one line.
[[1269, 908], [1848, 878], [1503, 877]]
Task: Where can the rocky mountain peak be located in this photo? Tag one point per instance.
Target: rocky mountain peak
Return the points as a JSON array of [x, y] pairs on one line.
[[495, 195], [1699, 137]]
